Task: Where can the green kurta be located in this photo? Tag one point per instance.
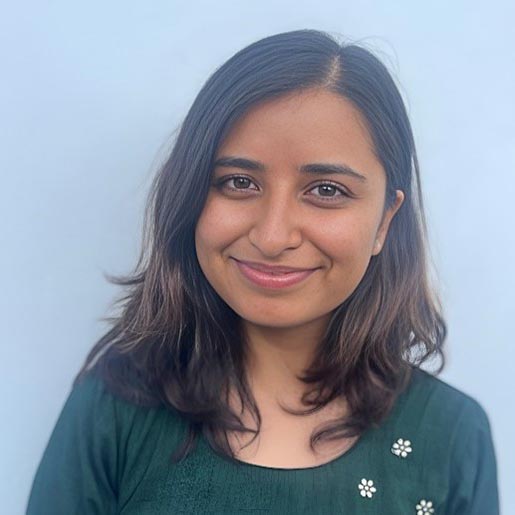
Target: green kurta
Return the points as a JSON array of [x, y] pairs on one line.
[[434, 454]]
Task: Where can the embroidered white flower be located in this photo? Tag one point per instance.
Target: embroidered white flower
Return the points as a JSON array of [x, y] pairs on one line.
[[366, 488], [424, 507], [401, 448]]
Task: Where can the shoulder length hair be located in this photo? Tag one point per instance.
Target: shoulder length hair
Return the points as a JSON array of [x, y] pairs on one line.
[[176, 344]]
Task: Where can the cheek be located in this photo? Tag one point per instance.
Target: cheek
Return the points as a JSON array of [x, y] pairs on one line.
[[347, 242], [203, 239], [349, 251], [214, 232]]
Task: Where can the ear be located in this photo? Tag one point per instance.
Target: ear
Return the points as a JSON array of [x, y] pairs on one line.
[[385, 224]]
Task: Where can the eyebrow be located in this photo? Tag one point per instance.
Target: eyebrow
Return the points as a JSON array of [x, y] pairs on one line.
[[311, 168]]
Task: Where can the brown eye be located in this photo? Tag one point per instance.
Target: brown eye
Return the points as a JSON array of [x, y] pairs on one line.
[[240, 182], [327, 190], [330, 191]]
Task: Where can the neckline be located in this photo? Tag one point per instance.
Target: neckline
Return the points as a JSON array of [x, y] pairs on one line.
[[366, 435], [360, 442], [328, 464]]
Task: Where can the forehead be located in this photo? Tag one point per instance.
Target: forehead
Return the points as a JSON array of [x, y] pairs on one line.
[[301, 127]]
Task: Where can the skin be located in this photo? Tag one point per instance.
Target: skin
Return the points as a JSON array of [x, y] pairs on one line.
[[281, 217]]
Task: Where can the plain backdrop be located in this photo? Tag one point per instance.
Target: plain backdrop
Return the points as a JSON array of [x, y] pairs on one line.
[[91, 94]]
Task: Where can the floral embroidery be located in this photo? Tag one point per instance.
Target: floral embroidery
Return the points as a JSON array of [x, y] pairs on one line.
[[401, 448], [366, 488], [424, 507]]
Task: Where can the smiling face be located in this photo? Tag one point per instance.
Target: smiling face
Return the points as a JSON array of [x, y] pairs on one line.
[[269, 206]]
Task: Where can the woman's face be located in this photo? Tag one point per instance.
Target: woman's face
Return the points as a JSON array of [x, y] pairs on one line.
[[280, 212]]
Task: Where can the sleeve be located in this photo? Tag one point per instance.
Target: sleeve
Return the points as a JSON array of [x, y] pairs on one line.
[[474, 488], [77, 473]]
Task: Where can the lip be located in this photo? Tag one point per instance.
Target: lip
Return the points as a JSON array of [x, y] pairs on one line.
[[268, 268], [276, 280]]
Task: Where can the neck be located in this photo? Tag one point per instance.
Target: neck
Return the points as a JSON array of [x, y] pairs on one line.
[[277, 355]]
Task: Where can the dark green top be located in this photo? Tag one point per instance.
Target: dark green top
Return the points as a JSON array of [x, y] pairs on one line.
[[434, 454]]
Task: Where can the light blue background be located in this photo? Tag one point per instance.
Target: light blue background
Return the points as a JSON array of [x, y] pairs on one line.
[[90, 96]]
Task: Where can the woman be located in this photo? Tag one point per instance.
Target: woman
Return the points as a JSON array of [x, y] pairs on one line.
[[267, 353]]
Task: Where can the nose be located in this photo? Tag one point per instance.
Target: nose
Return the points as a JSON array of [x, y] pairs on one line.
[[276, 225]]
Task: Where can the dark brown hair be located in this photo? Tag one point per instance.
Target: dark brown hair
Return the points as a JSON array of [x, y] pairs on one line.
[[176, 344]]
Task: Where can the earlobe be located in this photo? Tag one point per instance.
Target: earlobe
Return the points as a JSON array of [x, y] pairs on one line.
[[383, 230], [399, 199]]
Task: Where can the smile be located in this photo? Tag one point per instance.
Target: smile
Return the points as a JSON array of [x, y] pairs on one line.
[[272, 280]]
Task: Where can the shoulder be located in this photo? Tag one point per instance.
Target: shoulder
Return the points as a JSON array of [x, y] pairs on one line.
[[94, 395], [441, 422], [443, 435], [142, 438], [441, 404], [101, 449], [445, 426], [96, 413]]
